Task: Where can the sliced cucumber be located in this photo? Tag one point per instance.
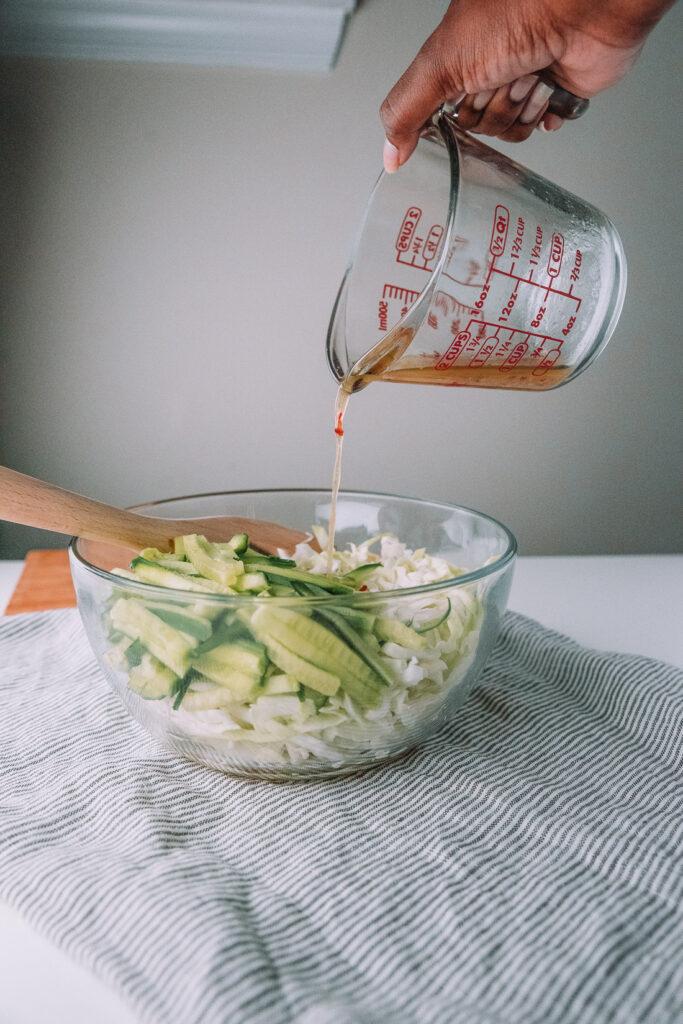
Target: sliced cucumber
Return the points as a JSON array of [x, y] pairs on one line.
[[280, 683], [356, 617], [257, 558], [151, 679], [225, 633], [399, 633], [358, 575], [242, 685], [181, 689], [239, 543], [251, 581], [169, 645], [279, 569], [155, 573], [307, 673], [180, 617], [319, 699], [314, 642], [219, 564], [246, 656], [207, 697], [134, 653], [362, 646]]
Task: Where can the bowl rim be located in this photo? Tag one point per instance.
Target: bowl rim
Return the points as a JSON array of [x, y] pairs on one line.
[[367, 597]]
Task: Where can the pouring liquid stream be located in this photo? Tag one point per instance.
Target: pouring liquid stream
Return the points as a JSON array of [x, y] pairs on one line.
[[379, 358], [340, 404], [379, 364]]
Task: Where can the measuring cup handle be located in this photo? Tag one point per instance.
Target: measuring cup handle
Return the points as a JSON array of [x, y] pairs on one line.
[[562, 102]]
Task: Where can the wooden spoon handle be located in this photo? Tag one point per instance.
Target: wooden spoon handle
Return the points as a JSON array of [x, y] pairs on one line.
[[23, 499]]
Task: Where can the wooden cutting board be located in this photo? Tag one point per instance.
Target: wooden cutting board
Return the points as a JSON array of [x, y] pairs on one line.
[[45, 583]]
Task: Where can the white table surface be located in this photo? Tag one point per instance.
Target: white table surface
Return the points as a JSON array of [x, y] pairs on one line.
[[630, 603]]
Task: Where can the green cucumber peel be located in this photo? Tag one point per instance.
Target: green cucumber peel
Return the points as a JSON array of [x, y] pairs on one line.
[[225, 634], [255, 558], [193, 625], [434, 623], [358, 644], [134, 653], [358, 574], [359, 619], [181, 688], [300, 576]]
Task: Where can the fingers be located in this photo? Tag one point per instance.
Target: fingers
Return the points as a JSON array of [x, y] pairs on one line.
[[510, 113], [418, 93], [550, 123]]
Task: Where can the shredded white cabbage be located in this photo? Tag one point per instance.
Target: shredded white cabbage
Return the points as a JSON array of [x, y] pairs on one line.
[[284, 729]]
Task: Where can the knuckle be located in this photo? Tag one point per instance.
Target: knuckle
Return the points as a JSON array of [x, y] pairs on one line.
[[467, 118], [493, 123], [389, 116], [518, 132]]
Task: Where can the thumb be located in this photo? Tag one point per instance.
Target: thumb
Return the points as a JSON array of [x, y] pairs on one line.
[[410, 104]]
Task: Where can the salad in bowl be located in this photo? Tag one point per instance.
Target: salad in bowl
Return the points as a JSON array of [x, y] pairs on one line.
[[268, 665]]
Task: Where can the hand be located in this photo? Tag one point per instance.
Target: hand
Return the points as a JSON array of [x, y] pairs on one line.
[[484, 55]]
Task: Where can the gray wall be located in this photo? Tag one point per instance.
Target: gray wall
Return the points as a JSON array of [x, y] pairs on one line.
[[174, 238]]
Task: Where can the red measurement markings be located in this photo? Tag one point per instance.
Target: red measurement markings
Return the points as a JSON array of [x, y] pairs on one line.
[[479, 303], [431, 246], [406, 296], [549, 361], [394, 291], [508, 335], [518, 351], [556, 254], [535, 255], [501, 222], [453, 350], [536, 322], [547, 288], [516, 250], [413, 249], [510, 305], [504, 345], [485, 352], [408, 228], [472, 346]]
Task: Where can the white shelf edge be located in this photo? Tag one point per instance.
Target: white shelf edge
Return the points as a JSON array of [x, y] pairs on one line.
[[276, 34]]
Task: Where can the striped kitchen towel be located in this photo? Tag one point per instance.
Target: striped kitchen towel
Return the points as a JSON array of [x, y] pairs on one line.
[[523, 867]]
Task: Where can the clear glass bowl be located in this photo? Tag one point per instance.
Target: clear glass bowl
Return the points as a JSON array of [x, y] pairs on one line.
[[290, 736]]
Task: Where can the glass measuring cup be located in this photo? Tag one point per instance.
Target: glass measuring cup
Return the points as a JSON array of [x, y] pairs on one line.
[[471, 270]]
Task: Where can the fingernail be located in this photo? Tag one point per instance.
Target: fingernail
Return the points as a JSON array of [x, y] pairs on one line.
[[481, 99], [390, 157], [552, 122], [536, 102], [521, 88]]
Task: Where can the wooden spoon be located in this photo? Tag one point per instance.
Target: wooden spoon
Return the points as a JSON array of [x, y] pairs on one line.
[[31, 502]]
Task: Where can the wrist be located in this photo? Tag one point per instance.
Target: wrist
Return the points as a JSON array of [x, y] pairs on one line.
[[618, 23]]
